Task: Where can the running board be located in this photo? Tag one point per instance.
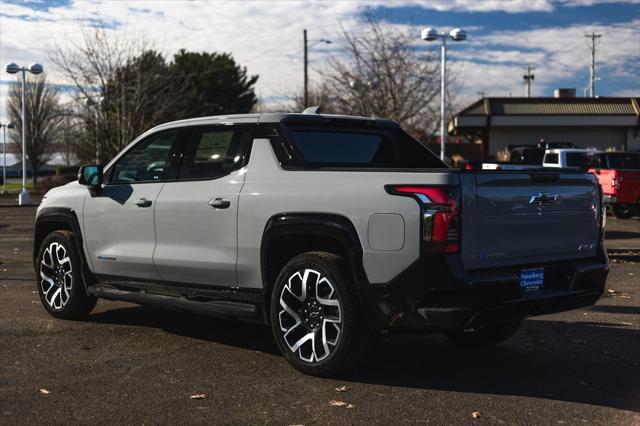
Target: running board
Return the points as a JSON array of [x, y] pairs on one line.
[[219, 308]]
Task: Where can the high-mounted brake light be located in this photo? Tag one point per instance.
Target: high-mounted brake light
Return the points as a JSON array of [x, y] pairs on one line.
[[440, 215]]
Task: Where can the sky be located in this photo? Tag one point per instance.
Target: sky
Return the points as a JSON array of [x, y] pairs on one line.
[[503, 37]]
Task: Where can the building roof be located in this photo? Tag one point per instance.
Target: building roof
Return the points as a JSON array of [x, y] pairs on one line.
[[553, 106]]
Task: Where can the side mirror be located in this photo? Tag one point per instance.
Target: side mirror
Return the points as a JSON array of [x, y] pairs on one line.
[[91, 176]]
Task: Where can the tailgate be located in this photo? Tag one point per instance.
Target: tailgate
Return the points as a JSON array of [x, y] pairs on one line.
[[517, 218]]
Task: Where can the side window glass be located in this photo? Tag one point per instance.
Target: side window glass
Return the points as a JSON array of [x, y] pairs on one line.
[[551, 158], [145, 162], [211, 153]]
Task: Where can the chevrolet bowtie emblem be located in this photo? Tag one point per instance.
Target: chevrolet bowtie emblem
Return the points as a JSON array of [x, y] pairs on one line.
[[543, 198]]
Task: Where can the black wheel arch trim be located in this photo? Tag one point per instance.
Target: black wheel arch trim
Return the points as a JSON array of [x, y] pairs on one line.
[[67, 216], [324, 224]]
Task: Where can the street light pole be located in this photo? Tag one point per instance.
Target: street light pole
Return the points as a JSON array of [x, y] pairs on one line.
[[306, 66], [306, 63], [443, 76], [24, 199], [430, 34]]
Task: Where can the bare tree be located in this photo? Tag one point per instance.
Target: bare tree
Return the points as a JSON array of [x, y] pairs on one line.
[[381, 74], [123, 88], [43, 117], [91, 65], [320, 96]]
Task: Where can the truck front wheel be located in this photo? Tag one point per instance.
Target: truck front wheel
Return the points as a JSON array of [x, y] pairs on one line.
[[315, 318], [60, 285], [486, 335]]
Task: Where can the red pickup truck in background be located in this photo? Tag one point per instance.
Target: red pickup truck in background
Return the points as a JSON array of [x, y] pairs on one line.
[[619, 176]]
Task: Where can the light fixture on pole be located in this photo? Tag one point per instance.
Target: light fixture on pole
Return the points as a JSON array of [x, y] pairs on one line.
[[24, 199], [306, 63], [430, 34], [4, 154]]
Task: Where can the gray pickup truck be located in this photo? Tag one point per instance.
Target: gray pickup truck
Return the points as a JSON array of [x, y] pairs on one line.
[[329, 229]]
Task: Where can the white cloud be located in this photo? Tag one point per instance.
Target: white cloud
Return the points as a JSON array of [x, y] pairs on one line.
[[557, 54], [267, 38]]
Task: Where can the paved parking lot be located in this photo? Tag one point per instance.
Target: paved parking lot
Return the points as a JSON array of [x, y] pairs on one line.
[[137, 364]]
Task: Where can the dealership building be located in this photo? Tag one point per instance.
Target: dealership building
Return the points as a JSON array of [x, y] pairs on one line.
[[600, 123]]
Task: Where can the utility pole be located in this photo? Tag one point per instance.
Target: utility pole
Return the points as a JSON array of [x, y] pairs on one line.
[[528, 79], [592, 42], [306, 65]]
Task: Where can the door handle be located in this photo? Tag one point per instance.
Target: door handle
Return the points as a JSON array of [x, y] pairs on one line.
[[219, 203], [143, 202]]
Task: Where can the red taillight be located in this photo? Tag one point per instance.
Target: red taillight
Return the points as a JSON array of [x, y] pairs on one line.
[[435, 195], [440, 215]]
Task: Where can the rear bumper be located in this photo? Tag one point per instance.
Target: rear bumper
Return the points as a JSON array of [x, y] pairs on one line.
[[435, 294]]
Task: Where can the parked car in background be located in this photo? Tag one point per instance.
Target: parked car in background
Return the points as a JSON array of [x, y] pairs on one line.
[[567, 158], [619, 176], [555, 144], [525, 157]]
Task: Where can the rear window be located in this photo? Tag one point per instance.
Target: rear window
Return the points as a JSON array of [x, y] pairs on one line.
[[576, 159], [362, 149], [527, 156], [625, 161], [551, 158]]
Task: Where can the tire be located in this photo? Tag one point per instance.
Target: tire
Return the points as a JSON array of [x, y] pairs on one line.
[[58, 271], [622, 211], [485, 336], [315, 318]]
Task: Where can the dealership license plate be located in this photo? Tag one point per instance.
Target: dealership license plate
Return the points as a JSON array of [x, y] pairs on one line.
[[532, 280]]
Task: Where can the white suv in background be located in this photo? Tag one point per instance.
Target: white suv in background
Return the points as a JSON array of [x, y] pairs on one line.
[[566, 158]]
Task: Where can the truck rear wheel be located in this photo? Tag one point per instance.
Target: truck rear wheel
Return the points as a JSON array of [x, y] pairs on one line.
[[315, 318], [486, 335], [622, 211]]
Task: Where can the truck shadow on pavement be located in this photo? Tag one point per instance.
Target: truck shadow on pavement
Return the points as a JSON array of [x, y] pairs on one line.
[[592, 363], [622, 235], [583, 362]]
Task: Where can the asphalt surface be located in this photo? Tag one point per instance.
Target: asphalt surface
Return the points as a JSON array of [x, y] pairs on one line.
[[142, 365]]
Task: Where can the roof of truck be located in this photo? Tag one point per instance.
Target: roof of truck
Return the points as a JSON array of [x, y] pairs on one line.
[[560, 150], [275, 117]]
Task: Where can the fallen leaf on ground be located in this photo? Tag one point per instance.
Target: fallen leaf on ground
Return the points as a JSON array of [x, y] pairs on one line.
[[475, 414], [583, 383], [341, 389], [44, 392], [199, 396], [579, 341], [340, 404]]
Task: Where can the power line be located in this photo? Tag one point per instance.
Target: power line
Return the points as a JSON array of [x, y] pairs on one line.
[[528, 80], [592, 41]]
